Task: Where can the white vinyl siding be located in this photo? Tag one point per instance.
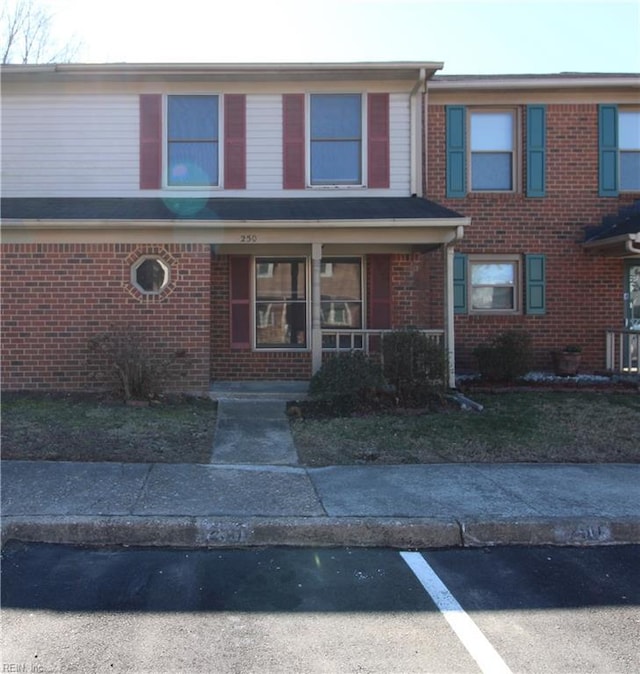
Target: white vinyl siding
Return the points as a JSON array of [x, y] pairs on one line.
[[66, 145], [400, 145], [264, 143], [70, 145]]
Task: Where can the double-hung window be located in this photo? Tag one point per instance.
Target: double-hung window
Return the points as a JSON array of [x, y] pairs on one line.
[[494, 284], [492, 147], [629, 149], [336, 139], [281, 303], [193, 141]]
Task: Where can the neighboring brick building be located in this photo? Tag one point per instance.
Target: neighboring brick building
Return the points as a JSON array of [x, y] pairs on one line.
[[258, 216], [573, 144]]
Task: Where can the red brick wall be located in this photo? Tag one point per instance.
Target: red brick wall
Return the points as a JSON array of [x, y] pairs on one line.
[[55, 297], [584, 291], [417, 290]]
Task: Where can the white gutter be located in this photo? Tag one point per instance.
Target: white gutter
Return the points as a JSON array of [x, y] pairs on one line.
[[479, 82], [633, 244]]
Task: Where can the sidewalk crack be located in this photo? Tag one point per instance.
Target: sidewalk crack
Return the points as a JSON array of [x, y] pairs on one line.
[[142, 491], [316, 492]]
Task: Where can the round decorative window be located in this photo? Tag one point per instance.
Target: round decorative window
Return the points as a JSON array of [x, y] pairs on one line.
[[150, 275]]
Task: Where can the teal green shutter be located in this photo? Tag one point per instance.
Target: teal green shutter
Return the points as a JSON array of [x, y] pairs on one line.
[[535, 284], [608, 150], [460, 283], [536, 136], [456, 151]]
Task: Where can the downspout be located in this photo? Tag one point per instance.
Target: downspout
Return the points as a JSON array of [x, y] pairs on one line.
[[415, 103], [449, 317]]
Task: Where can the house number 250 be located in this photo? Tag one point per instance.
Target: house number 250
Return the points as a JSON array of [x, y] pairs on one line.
[[248, 238]]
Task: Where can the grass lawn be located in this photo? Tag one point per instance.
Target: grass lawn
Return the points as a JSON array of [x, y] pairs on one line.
[[558, 426], [92, 428], [550, 426]]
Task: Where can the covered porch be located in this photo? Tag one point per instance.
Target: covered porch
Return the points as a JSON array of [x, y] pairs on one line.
[[323, 283]]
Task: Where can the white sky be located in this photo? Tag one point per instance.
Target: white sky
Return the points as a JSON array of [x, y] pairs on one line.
[[498, 36]]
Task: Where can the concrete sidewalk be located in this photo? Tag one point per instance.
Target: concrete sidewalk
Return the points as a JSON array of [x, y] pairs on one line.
[[438, 505]]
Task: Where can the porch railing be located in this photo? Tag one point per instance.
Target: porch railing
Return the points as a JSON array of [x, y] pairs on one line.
[[623, 351], [337, 341]]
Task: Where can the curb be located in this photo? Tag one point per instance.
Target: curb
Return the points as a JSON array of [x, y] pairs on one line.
[[229, 532]]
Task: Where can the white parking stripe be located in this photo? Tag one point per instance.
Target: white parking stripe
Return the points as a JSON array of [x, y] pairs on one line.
[[466, 630]]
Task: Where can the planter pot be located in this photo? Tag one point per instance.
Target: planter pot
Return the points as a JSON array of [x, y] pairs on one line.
[[566, 363]]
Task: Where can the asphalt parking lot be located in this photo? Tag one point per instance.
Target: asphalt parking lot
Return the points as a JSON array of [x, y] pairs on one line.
[[516, 609]]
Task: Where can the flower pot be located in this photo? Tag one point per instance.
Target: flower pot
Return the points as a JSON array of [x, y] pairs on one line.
[[566, 363]]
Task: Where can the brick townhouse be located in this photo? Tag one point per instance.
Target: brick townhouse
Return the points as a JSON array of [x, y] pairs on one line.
[[260, 217]]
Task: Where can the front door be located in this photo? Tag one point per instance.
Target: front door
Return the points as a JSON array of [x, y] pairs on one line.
[[632, 316]]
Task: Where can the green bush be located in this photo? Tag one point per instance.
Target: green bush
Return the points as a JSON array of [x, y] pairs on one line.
[[415, 365], [347, 378], [506, 358]]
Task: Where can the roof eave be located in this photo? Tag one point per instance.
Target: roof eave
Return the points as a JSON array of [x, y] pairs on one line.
[[534, 82], [623, 245], [394, 70]]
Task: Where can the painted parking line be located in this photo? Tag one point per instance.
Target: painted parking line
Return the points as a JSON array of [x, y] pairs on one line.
[[466, 630]]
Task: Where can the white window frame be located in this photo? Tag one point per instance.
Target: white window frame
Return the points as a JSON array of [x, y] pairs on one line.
[[363, 142], [621, 151], [500, 259], [136, 265], [165, 143], [516, 149]]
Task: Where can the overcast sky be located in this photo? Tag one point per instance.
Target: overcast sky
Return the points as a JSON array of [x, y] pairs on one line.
[[499, 36]]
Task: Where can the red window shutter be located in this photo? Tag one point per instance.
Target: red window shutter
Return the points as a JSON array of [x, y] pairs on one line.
[[240, 300], [293, 141], [380, 291], [235, 141], [378, 140], [150, 141]]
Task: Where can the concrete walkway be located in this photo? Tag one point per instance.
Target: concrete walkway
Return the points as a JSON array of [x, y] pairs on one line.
[[253, 431]]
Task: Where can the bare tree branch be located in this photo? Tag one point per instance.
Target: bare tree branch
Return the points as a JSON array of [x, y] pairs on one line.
[[26, 35]]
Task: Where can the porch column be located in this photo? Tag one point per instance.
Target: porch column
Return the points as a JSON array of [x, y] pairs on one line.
[[316, 318], [449, 331]]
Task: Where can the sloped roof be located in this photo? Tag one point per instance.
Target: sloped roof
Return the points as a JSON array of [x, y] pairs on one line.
[[238, 209], [627, 221], [618, 235]]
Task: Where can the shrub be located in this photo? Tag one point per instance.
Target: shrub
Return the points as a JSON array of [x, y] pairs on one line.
[[137, 371], [347, 379], [415, 365], [506, 358]]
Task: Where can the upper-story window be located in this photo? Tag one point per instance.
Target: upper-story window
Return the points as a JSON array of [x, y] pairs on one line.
[[492, 150], [629, 149], [193, 141], [336, 139]]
